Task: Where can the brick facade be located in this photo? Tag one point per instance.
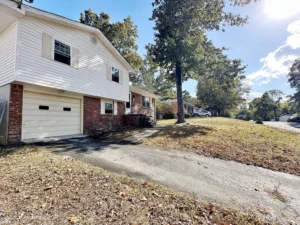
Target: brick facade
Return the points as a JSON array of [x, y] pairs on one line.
[[93, 120], [137, 108], [15, 113]]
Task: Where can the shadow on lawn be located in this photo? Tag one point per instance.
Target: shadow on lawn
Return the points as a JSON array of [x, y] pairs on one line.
[[182, 131], [84, 145]]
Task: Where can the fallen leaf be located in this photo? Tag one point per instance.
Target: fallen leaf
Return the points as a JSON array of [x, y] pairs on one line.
[[73, 219]]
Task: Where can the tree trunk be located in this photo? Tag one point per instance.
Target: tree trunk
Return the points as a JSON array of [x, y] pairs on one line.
[[275, 113], [180, 112]]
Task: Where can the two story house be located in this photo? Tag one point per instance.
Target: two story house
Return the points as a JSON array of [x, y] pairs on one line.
[[58, 77]]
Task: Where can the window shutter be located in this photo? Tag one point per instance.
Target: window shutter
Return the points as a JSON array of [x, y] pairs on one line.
[[102, 103], [121, 77], [115, 108], [75, 57], [47, 46], [108, 72]]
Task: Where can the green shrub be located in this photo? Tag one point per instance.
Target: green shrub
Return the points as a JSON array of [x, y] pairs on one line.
[[259, 121], [248, 116], [187, 115], [169, 116], [240, 117], [228, 115]]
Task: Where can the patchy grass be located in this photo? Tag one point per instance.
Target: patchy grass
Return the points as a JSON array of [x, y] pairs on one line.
[[37, 187], [232, 139], [277, 195]]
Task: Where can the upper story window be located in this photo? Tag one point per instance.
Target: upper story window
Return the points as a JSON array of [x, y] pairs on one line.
[[109, 108], [145, 102], [115, 74], [62, 53]]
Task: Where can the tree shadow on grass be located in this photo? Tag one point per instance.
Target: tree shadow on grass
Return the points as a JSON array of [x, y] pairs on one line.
[[182, 131]]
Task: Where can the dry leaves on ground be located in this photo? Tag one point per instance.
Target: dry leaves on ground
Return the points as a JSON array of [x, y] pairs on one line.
[[40, 188]]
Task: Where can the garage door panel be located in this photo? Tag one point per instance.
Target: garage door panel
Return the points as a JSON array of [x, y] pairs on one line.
[[43, 123], [38, 123], [51, 134], [52, 113], [50, 129], [38, 96], [49, 103]]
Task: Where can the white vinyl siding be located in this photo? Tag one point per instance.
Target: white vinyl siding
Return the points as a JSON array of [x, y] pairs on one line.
[[37, 123], [91, 76], [8, 54]]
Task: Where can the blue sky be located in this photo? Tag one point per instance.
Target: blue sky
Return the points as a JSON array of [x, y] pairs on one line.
[[268, 44]]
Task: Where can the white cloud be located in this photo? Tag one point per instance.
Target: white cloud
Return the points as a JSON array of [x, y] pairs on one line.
[[253, 95], [278, 62]]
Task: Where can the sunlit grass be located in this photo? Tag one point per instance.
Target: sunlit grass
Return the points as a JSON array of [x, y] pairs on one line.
[[232, 139]]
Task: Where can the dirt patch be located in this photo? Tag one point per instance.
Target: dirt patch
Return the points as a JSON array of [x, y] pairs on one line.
[[37, 187], [232, 139]]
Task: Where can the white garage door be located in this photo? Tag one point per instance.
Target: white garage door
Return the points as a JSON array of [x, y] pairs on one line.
[[49, 116]]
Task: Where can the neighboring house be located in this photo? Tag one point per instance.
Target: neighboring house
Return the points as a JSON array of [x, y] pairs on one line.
[[58, 76], [141, 102], [188, 108]]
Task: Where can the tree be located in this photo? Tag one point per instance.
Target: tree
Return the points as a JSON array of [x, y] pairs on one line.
[[186, 96], [152, 78], [262, 107], [294, 80], [180, 40], [268, 106], [20, 2], [222, 89], [276, 96], [122, 35]]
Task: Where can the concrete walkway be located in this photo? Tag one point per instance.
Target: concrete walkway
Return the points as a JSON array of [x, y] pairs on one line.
[[293, 127], [224, 182]]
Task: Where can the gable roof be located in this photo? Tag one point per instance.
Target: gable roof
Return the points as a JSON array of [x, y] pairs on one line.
[[51, 17]]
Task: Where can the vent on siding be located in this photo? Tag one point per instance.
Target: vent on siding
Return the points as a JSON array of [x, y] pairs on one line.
[[94, 40]]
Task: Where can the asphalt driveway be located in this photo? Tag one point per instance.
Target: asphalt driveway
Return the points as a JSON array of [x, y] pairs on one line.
[[293, 127], [225, 182]]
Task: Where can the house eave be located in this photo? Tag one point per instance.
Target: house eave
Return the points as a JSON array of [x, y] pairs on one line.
[[44, 15]]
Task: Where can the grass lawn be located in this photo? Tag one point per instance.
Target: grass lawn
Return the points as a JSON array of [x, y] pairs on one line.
[[37, 187], [232, 139]]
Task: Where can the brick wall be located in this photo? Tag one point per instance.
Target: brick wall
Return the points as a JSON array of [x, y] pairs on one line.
[[137, 108], [15, 113], [93, 120]]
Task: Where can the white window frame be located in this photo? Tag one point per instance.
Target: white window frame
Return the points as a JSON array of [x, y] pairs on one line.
[[149, 101], [114, 68], [112, 104], [53, 51]]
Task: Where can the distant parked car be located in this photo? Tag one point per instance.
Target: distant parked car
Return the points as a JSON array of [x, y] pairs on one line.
[[204, 113]]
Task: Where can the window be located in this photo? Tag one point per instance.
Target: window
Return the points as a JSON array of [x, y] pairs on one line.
[[108, 108], [115, 74], [62, 53], [67, 109], [145, 102], [43, 107]]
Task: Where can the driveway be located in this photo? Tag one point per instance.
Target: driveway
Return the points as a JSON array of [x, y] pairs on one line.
[[224, 182], [293, 127]]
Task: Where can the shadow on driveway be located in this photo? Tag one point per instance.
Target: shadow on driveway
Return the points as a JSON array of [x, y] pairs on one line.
[[84, 145]]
